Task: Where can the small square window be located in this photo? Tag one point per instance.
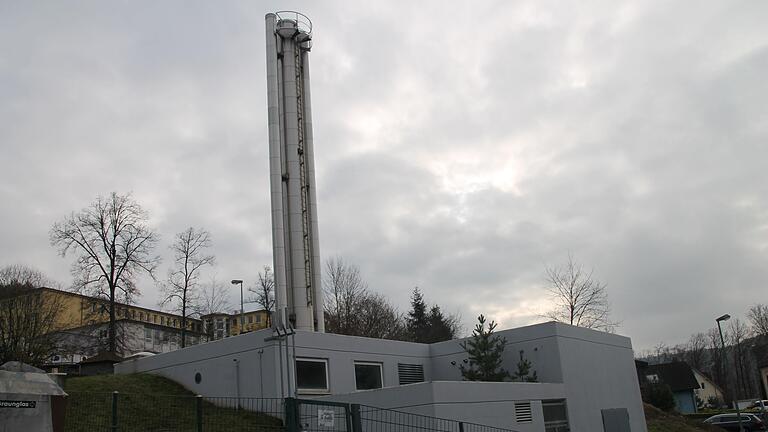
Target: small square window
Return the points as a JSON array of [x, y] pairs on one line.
[[368, 376], [312, 375]]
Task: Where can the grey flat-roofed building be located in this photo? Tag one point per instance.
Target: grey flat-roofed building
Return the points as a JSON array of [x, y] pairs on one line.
[[585, 376]]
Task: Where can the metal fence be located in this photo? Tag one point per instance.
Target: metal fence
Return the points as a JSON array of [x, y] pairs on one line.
[[120, 412]]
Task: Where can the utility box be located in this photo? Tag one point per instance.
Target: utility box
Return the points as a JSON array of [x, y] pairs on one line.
[[29, 400]]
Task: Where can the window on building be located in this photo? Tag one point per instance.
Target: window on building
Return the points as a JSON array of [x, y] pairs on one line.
[[312, 375], [175, 323], [154, 319], [219, 324], [148, 335], [162, 320], [652, 378], [133, 314], [368, 376], [555, 416], [250, 319], [141, 316], [258, 318]]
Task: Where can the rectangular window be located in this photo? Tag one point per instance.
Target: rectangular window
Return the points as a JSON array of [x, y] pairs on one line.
[[258, 318], [368, 376], [148, 335], [155, 319], [250, 319], [141, 316], [162, 320], [312, 375], [555, 416]]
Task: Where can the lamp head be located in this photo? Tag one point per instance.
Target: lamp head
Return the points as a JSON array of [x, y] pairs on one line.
[[236, 281], [725, 317]]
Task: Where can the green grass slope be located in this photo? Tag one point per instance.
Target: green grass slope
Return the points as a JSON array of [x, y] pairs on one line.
[[153, 403]]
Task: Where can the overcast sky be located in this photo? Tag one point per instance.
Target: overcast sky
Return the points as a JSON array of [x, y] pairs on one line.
[[461, 146]]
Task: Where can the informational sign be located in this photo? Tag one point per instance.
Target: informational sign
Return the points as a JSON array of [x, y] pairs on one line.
[[17, 404], [325, 417]]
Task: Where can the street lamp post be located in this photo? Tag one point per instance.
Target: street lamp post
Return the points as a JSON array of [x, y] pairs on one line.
[[242, 311], [726, 317]]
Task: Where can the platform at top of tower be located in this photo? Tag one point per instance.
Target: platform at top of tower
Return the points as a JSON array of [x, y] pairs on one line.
[[291, 23]]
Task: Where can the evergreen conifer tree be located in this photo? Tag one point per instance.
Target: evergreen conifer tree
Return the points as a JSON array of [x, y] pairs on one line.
[[485, 354], [523, 372]]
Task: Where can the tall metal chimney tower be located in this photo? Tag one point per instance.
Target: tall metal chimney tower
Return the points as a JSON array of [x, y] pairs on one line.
[[295, 243]]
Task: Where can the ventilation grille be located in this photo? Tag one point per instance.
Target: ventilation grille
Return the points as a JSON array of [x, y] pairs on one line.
[[410, 373], [523, 412]]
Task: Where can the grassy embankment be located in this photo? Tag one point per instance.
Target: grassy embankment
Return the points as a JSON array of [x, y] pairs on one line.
[[153, 403], [659, 421]]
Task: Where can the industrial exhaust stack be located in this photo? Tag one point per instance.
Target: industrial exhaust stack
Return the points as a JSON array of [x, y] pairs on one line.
[[295, 243]]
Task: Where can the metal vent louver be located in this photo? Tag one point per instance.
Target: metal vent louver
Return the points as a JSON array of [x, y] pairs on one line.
[[523, 412], [410, 373]]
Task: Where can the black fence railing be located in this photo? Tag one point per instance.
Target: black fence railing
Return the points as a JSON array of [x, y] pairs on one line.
[[120, 412]]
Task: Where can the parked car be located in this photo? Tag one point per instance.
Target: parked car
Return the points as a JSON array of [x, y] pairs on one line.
[[749, 422], [759, 404]]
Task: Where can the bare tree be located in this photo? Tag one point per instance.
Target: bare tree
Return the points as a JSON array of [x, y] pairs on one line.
[[344, 289], [27, 316], [695, 351], [214, 298], [738, 332], [264, 292], [24, 275], [579, 298], [352, 310], [719, 362], [379, 319], [189, 256], [758, 316], [113, 245]]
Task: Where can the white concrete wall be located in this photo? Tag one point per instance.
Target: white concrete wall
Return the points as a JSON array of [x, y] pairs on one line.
[[599, 372], [594, 371], [215, 362], [484, 403], [538, 343]]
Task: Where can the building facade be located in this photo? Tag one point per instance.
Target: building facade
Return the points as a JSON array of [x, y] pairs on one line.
[[81, 328], [218, 326], [586, 377]]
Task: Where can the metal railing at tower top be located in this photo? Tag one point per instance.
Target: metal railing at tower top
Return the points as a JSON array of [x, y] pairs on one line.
[[303, 23]]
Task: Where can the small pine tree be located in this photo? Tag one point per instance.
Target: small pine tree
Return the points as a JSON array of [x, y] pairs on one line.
[[523, 372], [660, 395], [417, 321], [485, 354]]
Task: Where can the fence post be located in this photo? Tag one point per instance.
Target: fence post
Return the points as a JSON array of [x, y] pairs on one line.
[[357, 423], [199, 409], [114, 411], [461, 426], [291, 415]]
